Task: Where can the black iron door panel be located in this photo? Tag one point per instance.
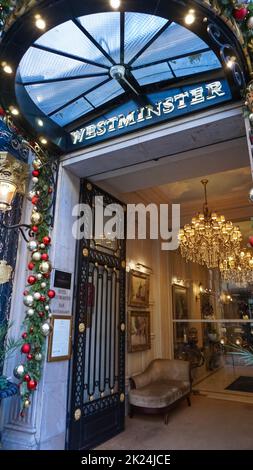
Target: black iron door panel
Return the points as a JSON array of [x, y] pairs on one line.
[[98, 372]]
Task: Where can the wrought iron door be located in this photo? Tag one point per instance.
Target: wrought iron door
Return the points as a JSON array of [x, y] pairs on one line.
[[98, 374]]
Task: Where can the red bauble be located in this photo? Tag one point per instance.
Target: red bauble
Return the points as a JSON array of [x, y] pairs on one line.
[[50, 190], [44, 257], [32, 384], [31, 329], [29, 357], [240, 13], [42, 298], [251, 240], [31, 280], [35, 173], [35, 200], [31, 266], [25, 292], [22, 414], [41, 314], [2, 112], [26, 348], [46, 240], [24, 335], [51, 294], [46, 275], [35, 229], [27, 378]]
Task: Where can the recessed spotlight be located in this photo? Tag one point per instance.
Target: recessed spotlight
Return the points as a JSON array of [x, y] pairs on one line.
[[190, 17], [14, 111], [40, 122], [39, 22], [230, 62], [7, 68], [43, 141], [115, 4]]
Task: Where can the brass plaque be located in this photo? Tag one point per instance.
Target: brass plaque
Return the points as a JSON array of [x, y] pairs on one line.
[[81, 328], [77, 414]]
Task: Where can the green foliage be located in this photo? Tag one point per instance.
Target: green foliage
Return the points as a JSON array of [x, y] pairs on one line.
[[245, 354]]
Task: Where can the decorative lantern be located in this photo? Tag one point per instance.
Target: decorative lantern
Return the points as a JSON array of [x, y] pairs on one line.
[[13, 176]]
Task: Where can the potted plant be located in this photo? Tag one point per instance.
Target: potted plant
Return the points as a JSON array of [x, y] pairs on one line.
[[7, 346]]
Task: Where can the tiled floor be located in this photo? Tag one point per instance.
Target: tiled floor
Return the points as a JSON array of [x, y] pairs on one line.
[[207, 424], [216, 383]]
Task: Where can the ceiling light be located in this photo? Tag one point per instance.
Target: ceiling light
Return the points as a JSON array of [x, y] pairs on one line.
[[209, 239], [43, 141], [190, 17], [40, 122], [14, 111], [39, 22], [230, 62], [7, 68], [115, 4]]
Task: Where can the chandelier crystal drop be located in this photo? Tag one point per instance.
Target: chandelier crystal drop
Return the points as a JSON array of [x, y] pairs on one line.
[[209, 239], [238, 268]]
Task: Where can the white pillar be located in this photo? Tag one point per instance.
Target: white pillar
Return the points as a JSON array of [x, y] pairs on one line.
[[44, 426]]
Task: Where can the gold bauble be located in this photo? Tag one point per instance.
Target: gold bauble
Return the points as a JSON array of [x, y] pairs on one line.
[[37, 164], [36, 218], [45, 267], [27, 403]]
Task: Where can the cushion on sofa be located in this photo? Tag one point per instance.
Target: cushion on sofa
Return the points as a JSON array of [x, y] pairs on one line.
[[159, 394]]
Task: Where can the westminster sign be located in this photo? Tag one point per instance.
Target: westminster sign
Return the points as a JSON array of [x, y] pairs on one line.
[[163, 106]]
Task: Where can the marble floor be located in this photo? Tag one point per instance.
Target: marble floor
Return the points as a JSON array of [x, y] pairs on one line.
[[215, 384], [207, 424]]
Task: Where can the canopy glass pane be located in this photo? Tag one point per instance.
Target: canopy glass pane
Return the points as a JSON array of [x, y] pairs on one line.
[[149, 49]]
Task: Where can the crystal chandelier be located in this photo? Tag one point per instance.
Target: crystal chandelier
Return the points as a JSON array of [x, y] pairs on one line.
[[238, 268], [209, 239]]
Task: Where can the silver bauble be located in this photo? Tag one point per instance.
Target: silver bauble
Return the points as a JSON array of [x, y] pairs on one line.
[[37, 295], [42, 246], [32, 245], [19, 371], [30, 312], [251, 117], [250, 22], [45, 329], [50, 315], [251, 195], [43, 285], [35, 180], [37, 164], [36, 256], [28, 300], [30, 195], [36, 218], [45, 267], [38, 357], [47, 307]]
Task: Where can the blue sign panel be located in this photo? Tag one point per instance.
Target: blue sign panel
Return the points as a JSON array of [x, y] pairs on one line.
[[164, 106]]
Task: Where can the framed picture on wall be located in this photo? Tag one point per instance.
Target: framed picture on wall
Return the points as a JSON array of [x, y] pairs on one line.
[[138, 289], [180, 302], [138, 337]]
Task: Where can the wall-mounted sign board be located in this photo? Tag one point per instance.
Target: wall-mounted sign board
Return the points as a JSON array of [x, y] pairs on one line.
[[60, 339], [61, 304]]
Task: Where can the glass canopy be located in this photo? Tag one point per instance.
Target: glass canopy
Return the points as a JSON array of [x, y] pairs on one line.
[[69, 72]]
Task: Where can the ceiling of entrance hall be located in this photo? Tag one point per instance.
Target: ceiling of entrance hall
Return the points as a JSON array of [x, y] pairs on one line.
[[68, 71]]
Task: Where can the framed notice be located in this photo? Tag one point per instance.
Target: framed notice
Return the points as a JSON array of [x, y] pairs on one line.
[[59, 345]]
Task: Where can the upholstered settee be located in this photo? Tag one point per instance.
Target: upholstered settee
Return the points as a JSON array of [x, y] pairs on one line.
[[160, 387]]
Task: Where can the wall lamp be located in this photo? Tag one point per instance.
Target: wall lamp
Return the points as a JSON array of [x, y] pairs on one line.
[[13, 179]]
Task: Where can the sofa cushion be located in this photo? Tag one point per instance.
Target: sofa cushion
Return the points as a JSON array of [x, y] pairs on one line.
[[159, 394]]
